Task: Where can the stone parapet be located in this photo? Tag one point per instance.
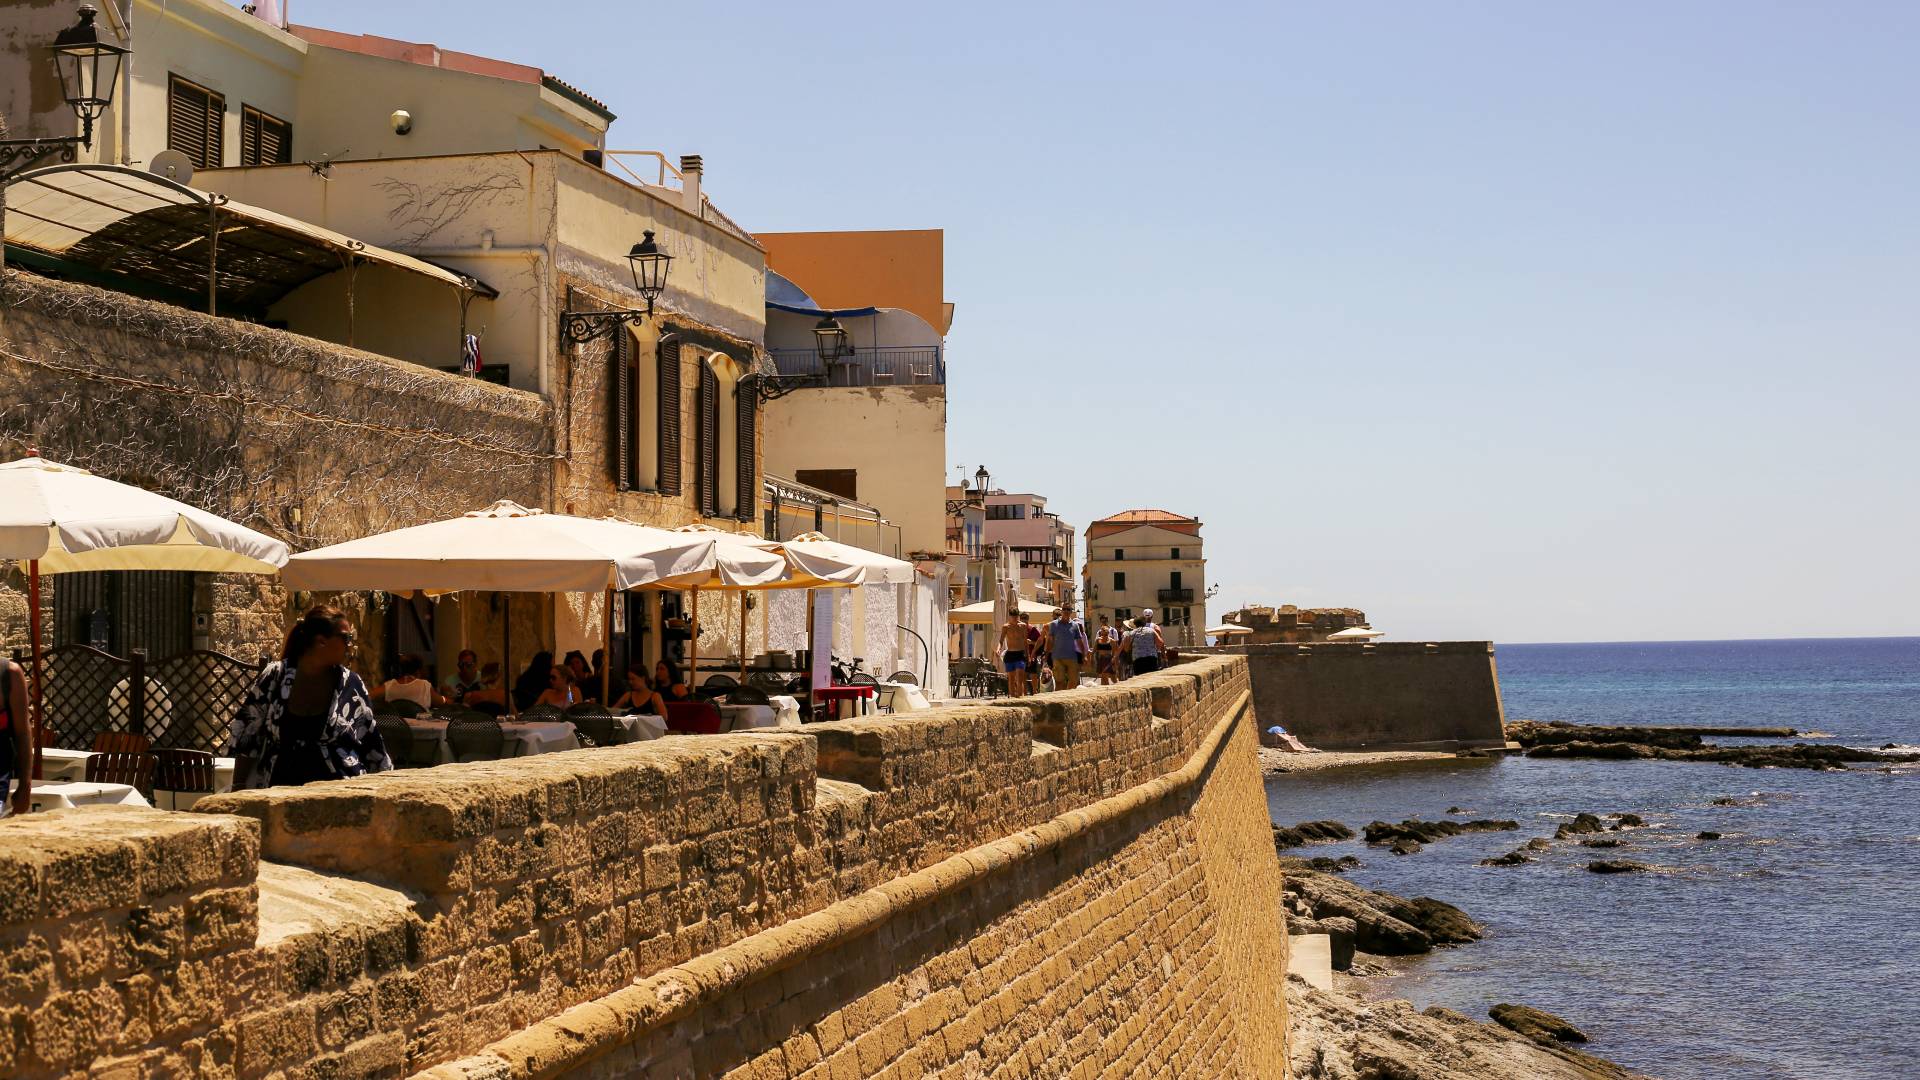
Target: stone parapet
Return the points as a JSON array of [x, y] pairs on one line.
[[1082, 854]]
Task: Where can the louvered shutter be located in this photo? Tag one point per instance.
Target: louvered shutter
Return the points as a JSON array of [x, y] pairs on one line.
[[709, 474], [264, 139], [748, 496], [195, 116], [620, 410], [669, 417]]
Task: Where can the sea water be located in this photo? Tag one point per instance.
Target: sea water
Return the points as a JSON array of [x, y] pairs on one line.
[[1790, 948]]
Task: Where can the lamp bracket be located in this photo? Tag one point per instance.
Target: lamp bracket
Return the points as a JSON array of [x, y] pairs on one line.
[[581, 327], [772, 387], [19, 155]]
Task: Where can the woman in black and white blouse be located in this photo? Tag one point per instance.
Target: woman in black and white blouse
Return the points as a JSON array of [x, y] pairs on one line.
[[308, 718]]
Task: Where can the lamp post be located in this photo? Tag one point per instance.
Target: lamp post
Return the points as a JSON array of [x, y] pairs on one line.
[[649, 265], [830, 339], [982, 481], [89, 71]]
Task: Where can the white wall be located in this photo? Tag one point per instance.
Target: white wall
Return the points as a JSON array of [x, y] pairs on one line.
[[893, 437]]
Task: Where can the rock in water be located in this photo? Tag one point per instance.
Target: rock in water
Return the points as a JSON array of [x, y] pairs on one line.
[[1629, 821], [1617, 866], [1536, 1024], [1404, 846], [1341, 1037], [1581, 824], [1310, 832], [1601, 841], [1444, 923], [1538, 843], [1708, 834], [1511, 858]]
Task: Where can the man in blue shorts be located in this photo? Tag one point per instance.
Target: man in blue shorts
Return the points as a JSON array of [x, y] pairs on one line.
[[1013, 650]]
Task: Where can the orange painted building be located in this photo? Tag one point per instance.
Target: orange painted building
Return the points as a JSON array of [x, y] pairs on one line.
[[900, 268]]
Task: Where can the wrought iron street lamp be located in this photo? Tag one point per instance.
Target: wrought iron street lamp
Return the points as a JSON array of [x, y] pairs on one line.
[[982, 481], [89, 73], [649, 265], [830, 339]]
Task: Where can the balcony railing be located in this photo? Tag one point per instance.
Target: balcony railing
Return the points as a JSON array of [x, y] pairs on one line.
[[919, 365], [1176, 596]]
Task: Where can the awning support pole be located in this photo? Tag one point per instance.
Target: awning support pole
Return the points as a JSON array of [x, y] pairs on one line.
[[606, 652], [213, 254]]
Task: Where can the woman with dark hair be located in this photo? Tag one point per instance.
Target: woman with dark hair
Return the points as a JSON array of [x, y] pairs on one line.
[[307, 717], [533, 681], [579, 674], [640, 697], [666, 679]]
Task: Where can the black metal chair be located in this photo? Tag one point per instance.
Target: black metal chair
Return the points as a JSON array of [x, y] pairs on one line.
[[861, 678], [476, 739], [748, 695], [904, 677], [540, 712], [398, 738], [768, 682], [599, 729]]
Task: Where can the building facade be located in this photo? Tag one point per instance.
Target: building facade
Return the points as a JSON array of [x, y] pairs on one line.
[[325, 402], [1141, 559], [1042, 544], [1288, 623]]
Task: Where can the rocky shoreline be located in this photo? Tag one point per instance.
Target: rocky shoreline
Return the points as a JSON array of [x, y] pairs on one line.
[[1557, 739], [1337, 1035]]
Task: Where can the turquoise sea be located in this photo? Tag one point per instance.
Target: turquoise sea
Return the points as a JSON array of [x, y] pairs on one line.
[[1788, 949]]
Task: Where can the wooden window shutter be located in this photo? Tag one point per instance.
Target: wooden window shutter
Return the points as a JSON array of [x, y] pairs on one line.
[[709, 467], [747, 498], [669, 417], [621, 412], [195, 122], [264, 139]]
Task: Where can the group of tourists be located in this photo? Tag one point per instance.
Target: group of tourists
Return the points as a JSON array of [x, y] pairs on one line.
[[1053, 656]]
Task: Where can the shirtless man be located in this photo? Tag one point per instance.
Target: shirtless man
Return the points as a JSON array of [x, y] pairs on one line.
[[1013, 652]]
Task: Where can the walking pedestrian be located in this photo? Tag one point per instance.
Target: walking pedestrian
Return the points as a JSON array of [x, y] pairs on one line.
[[1104, 641], [1013, 646], [1066, 642], [308, 717], [1147, 644], [16, 740]]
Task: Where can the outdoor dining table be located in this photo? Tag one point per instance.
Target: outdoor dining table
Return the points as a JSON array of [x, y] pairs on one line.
[[748, 717], [58, 764], [524, 737], [65, 795], [860, 697], [907, 697]]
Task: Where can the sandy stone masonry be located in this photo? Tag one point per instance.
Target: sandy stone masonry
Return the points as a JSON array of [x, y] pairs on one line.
[[1078, 884]]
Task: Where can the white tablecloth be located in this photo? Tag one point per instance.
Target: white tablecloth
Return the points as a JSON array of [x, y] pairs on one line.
[[643, 726], [58, 764], [524, 737], [788, 708], [748, 717], [907, 697], [51, 795]]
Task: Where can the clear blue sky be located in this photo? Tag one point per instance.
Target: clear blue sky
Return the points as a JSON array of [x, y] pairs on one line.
[[1521, 321]]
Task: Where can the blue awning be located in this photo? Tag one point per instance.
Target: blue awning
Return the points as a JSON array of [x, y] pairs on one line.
[[816, 312]]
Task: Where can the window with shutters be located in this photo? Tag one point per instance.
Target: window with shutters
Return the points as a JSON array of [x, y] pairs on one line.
[[746, 492], [1119, 582], [265, 139], [669, 416], [196, 119], [622, 439], [707, 440]]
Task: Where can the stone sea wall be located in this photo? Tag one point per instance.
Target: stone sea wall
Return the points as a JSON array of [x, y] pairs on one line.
[[1081, 883], [1390, 695]]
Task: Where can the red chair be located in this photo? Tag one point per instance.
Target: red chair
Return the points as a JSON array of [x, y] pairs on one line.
[[694, 718]]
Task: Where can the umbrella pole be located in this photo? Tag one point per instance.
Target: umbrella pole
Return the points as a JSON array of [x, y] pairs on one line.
[[38, 721], [743, 637], [693, 644], [606, 653], [506, 653]]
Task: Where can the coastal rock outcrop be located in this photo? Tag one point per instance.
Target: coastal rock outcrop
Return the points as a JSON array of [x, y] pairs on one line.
[[1309, 832], [1340, 936], [1617, 866], [1563, 740], [1706, 834], [1511, 858], [1337, 1036], [1406, 837], [1581, 824], [1384, 924], [1536, 1024]]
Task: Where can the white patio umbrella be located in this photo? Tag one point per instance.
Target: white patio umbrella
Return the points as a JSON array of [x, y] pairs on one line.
[[982, 612], [59, 519], [1357, 633], [814, 555], [512, 548], [750, 563], [1227, 630]]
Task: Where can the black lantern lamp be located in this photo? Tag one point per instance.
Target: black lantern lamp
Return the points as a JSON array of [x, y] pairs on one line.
[[89, 73], [649, 269], [982, 480], [89, 70], [649, 266], [830, 339]]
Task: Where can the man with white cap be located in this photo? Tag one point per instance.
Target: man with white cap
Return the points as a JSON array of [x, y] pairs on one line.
[[1147, 644]]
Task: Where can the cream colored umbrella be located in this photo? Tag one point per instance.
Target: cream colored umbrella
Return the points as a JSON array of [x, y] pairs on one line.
[[59, 519], [1357, 633], [982, 612], [1227, 630], [512, 548], [748, 563], [814, 555]]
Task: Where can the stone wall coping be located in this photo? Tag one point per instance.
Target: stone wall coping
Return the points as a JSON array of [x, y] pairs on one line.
[[586, 1031], [64, 863], [1349, 648]]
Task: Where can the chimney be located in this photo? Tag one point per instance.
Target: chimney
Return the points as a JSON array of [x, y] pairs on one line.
[[690, 183]]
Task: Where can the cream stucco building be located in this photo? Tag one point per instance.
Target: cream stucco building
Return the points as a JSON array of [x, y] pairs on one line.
[[1141, 559]]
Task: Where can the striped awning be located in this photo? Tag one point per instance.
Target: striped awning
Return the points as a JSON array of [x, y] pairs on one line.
[[133, 225]]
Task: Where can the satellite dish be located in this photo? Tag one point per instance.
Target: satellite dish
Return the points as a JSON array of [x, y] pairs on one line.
[[173, 165]]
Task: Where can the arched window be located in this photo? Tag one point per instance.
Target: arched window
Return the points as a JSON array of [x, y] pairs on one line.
[[720, 440]]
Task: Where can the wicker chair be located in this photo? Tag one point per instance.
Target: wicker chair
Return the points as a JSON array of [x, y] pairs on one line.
[[472, 739], [767, 682], [405, 710], [121, 767], [719, 682]]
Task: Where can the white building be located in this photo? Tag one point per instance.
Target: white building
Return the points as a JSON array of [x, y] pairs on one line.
[[1141, 559]]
